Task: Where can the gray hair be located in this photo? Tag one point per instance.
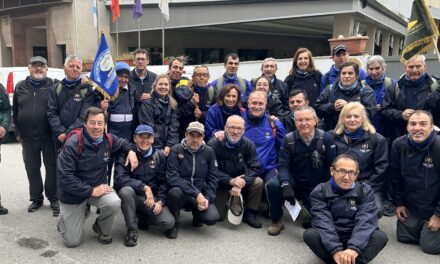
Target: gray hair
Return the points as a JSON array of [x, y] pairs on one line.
[[199, 67], [308, 108], [270, 59], [71, 58], [415, 57], [376, 58]]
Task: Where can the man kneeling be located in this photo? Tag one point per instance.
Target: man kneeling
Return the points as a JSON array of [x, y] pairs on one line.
[[344, 217]]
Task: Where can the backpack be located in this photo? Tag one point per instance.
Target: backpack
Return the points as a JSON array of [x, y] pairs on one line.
[[80, 145], [387, 82], [241, 83], [434, 87], [291, 143], [359, 190], [82, 90]]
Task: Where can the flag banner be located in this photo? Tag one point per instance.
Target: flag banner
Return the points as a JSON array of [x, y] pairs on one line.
[[137, 9], [422, 32], [116, 12], [95, 14], [103, 74], [164, 9]]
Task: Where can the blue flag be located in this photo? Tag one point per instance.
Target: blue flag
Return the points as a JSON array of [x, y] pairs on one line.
[[137, 9], [103, 73]]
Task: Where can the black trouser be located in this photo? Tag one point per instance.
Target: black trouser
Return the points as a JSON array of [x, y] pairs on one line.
[[377, 242], [32, 150], [178, 200]]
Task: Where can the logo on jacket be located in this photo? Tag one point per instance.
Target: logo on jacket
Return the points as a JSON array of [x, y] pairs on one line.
[[365, 148], [77, 97], [106, 156], [353, 205], [180, 156], [427, 163], [267, 135], [152, 163]]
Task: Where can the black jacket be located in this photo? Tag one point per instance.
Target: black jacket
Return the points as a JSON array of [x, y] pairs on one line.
[[5, 108], [372, 156], [193, 173], [79, 174], [30, 110], [233, 162], [334, 215], [309, 82], [288, 122], [66, 110], [416, 177], [151, 171], [162, 118], [325, 103], [274, 106], [141, 85]]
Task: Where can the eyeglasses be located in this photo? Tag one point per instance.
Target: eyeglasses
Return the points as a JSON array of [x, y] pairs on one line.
[[204, 75], [235, 129], [94, 123], [342, 173]]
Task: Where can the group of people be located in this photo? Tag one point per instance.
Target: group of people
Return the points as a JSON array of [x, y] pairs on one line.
[[344, 145]]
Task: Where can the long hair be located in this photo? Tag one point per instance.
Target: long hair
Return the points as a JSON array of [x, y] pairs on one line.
[[172, 101], [225, 91], [366, 124], [311, 67]]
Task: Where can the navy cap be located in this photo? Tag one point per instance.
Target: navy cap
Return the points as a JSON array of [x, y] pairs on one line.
[[144, 129], [339, 48], [122, 67]]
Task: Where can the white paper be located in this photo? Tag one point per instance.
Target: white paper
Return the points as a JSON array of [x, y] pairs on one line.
[[293, 209]]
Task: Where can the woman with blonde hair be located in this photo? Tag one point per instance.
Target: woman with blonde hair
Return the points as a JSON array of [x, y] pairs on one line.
[[356, 136], [160, 112]]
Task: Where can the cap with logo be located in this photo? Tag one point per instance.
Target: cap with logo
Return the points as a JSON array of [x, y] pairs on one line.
[[144, 129], [236, 210]]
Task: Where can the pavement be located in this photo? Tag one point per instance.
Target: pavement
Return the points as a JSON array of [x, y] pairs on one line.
[[33, 237]]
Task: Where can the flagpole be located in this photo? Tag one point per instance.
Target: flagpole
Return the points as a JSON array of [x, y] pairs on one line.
[[117, 39], [97, 21], [163, 40], [139, 33]]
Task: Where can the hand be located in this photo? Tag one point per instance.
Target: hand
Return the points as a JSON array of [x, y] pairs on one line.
[[2, 132], [132, 159], [407, 113], [62, 137], [157, 208], [220, 135], [347, 256], [166, 150], [145, 96], [434, 223], [102, 189], [401, 213], [289, 194], [195, 99], [202, 202], [197, 113], [235, 191], [149, 197], [339, 104], [104, 105], [238, 182]]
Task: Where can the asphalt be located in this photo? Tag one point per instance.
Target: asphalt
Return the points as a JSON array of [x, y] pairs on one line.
[[33, 237]]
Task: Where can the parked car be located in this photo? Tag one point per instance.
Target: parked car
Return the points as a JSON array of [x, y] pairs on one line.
[[10, 76]]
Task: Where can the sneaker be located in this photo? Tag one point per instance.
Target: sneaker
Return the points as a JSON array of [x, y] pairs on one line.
[[275, 228], [172, 233], [34, 206], [103, 239], [251, 220], [55, 205], [389, 209], [131, 238], [3, 210]]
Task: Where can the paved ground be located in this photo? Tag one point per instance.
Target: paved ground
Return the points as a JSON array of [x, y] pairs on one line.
[[32, 237]]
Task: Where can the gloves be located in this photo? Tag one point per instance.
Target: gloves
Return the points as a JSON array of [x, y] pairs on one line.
[[288, 194]]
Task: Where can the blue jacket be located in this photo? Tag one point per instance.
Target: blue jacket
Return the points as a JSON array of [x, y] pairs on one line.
[[333, 74], [416, 177], [151, 171], [335, 215], [79, 174], [372, 157], [193, 173], [267, 143], [245, 91], [216, 119]]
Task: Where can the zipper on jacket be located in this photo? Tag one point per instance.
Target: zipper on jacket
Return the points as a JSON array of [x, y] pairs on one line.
[[193, 169]]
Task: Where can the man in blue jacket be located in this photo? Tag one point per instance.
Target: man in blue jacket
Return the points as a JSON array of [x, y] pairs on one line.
[[82, 178], [415, 175], [344, 217], [193, 177]]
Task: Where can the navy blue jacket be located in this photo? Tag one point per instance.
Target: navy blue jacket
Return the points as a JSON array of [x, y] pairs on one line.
[[79, 174], [192, 172], [141, 85], [309, 82], [325, 103], [274, 106], [415, 177], [333, 74], [334, 215], [280, 89], [296, 168], [233, 162], [216, 119], [162, 118], [267, 143], [151, 171], [373, 160], [66, 110]]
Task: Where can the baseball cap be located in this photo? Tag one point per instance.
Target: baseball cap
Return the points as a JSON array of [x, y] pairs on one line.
[[339, 48], [37, 59], [235, 212], [144, 129], [122, 67], [196, 127]]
